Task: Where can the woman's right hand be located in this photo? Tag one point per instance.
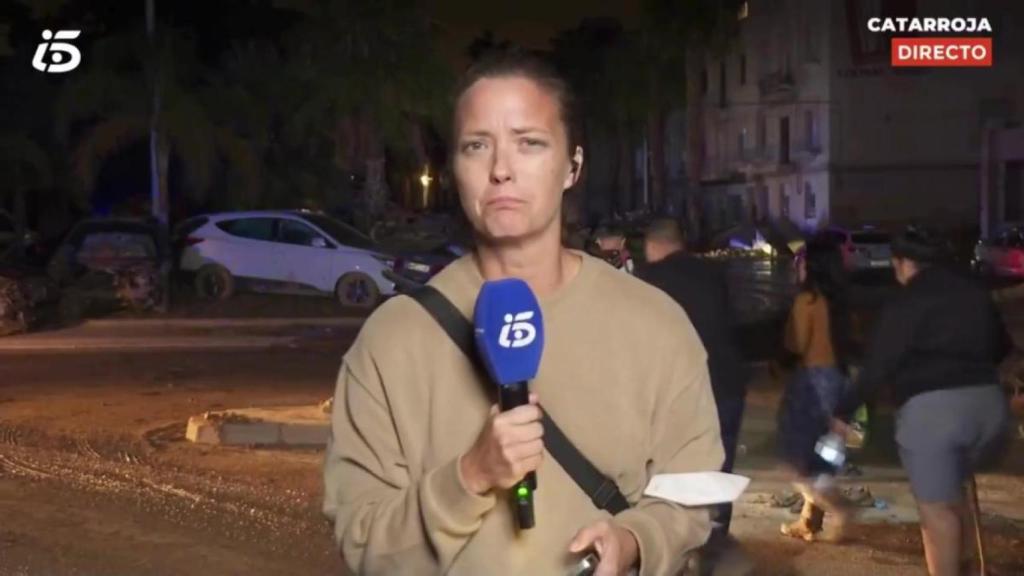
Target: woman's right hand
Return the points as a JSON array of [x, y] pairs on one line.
[[840, 428], [509, 446]]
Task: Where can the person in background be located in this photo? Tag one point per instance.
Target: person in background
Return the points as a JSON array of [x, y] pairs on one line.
[[612, 244], [700, 287], [816, 337], [937, 347]]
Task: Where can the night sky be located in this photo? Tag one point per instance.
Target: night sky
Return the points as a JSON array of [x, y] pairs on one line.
[[527, 22]]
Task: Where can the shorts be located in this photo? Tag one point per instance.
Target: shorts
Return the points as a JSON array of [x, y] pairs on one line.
[[945, 435]]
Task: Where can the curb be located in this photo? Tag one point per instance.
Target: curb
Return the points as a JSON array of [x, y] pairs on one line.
[[346, 322]]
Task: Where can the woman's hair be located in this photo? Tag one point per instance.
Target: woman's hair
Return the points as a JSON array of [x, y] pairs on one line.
[[921, 246], [521, 63], [826, 277]]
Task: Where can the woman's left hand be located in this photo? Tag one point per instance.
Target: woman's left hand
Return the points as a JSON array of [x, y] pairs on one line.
[[615, 545]]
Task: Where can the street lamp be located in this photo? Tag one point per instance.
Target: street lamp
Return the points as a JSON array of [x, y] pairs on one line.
[[425, 181]]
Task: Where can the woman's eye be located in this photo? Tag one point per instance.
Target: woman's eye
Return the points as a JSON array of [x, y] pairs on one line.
[[533, 142], [473, 146]]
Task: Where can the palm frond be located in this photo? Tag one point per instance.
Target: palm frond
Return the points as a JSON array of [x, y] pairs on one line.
[[100, 142], [18, 150], [245, 171]]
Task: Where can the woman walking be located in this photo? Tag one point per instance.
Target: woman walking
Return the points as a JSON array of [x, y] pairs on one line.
[[817, 336]]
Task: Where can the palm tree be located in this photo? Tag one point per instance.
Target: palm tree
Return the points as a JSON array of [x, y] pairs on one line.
[[112, 98], [369, 75], [26, 166]]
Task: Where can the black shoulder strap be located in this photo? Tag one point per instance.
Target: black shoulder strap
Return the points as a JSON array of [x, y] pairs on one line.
[[603, 491]]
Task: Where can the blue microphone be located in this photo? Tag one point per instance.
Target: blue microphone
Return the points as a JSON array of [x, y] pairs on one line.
[[509, 333]]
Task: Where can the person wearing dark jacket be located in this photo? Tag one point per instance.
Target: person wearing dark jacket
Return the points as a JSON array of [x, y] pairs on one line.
[[937, 347], [700, 288]]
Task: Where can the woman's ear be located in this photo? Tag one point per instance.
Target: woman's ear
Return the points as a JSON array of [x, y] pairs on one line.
[[575, 168]]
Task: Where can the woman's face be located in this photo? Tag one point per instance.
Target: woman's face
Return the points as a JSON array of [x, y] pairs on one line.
[[511, 161], [801, 270]]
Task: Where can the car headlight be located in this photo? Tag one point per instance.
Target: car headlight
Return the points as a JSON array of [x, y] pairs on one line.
[[418, 267]]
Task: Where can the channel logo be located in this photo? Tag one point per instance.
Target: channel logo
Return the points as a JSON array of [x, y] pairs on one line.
[[57, 57]]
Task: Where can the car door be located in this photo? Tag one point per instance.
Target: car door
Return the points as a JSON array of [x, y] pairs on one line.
[[307, 257], [247, 248]]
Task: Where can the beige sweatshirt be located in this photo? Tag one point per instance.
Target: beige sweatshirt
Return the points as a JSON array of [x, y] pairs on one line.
[[624, 375]]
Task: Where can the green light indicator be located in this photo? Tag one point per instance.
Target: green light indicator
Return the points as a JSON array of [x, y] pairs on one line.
[[523, 492]]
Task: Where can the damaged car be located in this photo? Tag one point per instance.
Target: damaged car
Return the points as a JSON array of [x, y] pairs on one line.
[[105, 265]]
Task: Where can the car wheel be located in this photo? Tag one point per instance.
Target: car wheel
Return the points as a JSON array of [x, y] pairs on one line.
[[214, 282], [357, 290]]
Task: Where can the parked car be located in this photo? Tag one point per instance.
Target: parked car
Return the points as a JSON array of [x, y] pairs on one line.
[[282, 251], [109, 264], [25, 290], [419, 267], [866, 248], [1003, 255]]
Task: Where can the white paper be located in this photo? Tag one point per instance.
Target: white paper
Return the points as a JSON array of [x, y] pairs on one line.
[[697, 488]]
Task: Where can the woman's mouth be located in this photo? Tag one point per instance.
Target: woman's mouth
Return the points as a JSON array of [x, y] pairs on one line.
[[504, 202]]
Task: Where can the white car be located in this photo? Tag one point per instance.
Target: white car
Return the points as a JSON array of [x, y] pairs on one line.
[[863, 249], [282, 251]]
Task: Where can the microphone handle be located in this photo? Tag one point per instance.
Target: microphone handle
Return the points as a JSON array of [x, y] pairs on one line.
[[509, 397]]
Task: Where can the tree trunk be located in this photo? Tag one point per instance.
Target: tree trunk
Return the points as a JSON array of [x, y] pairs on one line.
[[20, 215], [695, 138], [163, 203], [376, 189], [622, 199], [656, 158]]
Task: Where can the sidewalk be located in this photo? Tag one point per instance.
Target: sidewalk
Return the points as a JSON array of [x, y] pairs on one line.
[[170, 334]]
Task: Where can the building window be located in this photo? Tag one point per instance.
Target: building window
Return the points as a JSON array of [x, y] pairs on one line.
[[741, 143], [810, 202], [784, 140], [783, 201], [743, 69], [762, 133], [868, 47], [811, 136], [736, 207], [722, 93], [811, 32]]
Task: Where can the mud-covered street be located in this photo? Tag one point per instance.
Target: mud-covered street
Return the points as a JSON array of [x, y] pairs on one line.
[[96, 477]]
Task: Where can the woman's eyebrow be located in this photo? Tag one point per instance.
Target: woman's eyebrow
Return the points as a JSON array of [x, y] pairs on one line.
[[527, 130]]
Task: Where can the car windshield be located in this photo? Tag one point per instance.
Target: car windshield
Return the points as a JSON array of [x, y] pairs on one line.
[[136, 233], [871, 238], [341, 232], [117, 245]]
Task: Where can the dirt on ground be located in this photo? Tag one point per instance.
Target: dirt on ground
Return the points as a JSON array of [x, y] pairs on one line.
[[96, 477]]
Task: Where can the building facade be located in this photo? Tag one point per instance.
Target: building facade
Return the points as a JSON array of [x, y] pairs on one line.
[[802, 117]]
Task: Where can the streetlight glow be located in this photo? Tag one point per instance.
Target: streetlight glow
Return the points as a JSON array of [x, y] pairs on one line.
[[425, 181]]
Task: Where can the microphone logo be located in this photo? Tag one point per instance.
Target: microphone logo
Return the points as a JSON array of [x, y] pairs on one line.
[[520, 329]]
